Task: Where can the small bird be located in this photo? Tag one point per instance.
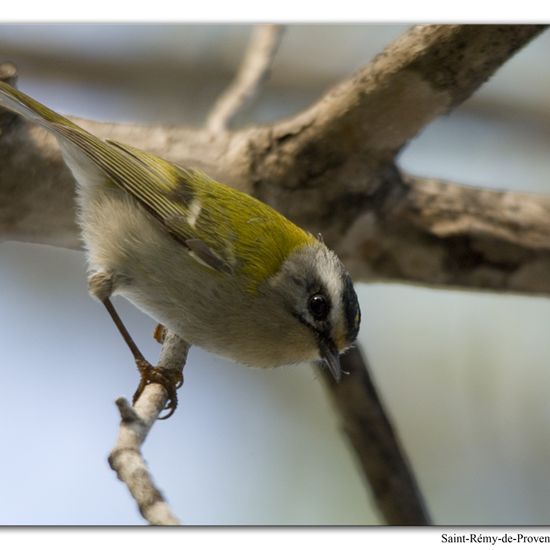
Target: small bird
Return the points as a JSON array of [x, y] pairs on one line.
[[215, 266]]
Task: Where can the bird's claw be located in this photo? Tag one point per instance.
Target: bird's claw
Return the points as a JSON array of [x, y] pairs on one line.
[[169, 379]]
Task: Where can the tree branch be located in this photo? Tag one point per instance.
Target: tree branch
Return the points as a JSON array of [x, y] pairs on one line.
[[126, 458], [324, 168], [375, 442], [323, 165], [443, 234], [253, 72], [421, 75], [419, 230]]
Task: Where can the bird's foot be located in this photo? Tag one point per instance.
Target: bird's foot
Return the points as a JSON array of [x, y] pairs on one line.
[[170, 379]]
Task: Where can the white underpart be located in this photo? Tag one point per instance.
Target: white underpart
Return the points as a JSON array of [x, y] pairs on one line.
[[194, 212]]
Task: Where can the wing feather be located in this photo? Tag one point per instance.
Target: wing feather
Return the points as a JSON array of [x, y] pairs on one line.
[[223, 228], [152, 184]]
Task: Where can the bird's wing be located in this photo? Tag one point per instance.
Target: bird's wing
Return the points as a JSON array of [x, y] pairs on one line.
[[163, 189]]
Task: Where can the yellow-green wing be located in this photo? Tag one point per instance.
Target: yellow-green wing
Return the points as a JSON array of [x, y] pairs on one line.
[[249, 235], [155, 183], [225, 229], [164, 190]]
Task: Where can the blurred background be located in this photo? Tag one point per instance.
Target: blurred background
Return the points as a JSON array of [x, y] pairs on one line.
[[464, 375]]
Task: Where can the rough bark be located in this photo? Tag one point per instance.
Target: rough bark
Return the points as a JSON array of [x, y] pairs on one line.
[[443, 234]]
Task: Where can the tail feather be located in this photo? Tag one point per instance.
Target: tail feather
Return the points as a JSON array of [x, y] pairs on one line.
[[79, 159], [23, 105]]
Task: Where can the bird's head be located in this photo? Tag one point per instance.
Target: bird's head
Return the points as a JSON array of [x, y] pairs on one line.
[[316, 292]]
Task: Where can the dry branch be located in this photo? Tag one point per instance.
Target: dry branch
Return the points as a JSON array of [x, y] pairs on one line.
[[375, 443], [332, 169], [253, 72], [328, 165], [126, 458], [443, 234]]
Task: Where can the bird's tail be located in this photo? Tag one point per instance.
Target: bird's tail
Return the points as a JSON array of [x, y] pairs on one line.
[[20, 103]]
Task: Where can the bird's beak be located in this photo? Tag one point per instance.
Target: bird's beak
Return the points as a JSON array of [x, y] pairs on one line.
[[331, 356]]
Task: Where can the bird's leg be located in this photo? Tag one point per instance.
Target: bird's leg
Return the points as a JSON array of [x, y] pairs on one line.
[[101, 286]]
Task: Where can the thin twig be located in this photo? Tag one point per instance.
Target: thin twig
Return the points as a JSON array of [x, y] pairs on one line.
[[375, 442], [253, 71], [126, 458]]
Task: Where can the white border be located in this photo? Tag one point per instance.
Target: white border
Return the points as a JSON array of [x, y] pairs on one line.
[[247, 11]]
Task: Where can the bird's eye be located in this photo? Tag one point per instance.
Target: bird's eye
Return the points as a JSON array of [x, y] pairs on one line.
[[318, 307]]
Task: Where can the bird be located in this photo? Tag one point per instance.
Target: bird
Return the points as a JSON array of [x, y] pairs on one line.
[[215, 266]]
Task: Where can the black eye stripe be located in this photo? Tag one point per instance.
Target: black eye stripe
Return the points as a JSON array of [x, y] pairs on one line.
[[351, 309], [321, 334]]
